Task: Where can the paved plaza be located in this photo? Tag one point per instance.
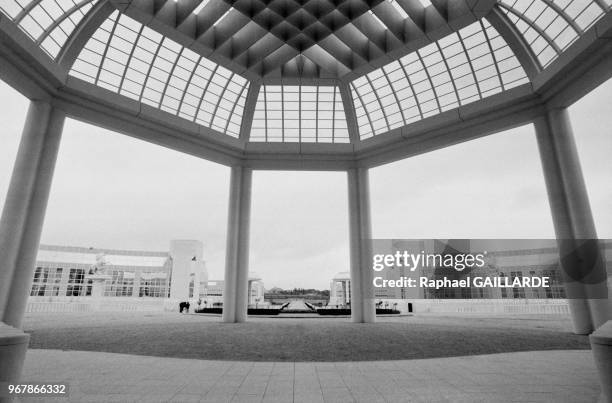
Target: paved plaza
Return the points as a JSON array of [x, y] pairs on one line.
[[275, 339], [153, 371], [551, 376]]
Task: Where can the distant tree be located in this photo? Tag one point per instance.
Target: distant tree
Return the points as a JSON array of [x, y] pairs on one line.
[[301, 291]]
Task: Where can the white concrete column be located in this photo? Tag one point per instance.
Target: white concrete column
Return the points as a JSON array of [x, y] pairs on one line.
[[362, 289], [25, 206], [571, 212], [235, 294]]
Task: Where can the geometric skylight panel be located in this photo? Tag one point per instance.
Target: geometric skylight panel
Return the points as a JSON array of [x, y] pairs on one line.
[[550, 27], [299, 113], [48, 22], [463, 67], [133, 60]]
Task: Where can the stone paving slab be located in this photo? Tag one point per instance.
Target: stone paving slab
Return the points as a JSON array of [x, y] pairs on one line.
[[541, 376]]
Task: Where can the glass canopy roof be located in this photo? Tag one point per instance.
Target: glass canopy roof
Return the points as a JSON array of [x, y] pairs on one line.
[[550, 26], [461, 68], [48, 22], [138, 62], [127, 57]]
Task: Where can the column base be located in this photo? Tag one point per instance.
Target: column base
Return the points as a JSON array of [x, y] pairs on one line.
[[369, 311], [601, 345], [13, 347], [232, 319], [581, 316], [601, 311]]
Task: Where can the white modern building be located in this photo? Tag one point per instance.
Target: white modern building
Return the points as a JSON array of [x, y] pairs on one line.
[[211, 292], [66, 277], [64, 271], [188, 269], [340, 290]]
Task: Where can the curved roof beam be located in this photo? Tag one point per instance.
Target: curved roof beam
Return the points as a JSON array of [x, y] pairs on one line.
[[357, 97], [62, 18], [448, 71], [169, 78], [49, 23], [470, 64], [495, 58], [86, 28], [382, 109], [349, 112], [516, 41], [551, 26], [397, 100], [221, 97], [246, 88], [27, 9], [187, 84], [249, 111], [533, 26], [205, 90], [570, 21], [412, 91], [430, 81]]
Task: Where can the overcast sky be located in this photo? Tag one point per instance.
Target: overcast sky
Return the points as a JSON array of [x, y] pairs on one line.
[[112, 191]]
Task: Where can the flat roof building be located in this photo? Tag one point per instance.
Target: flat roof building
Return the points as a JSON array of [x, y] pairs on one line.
[[65, 271], [68, 271]]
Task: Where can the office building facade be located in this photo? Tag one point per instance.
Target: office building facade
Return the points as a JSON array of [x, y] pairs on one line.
[[68, 273]]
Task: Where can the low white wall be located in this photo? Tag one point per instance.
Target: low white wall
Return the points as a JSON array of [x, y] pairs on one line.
[[90, 304], [497, 306], [480, 306], [463, 306]]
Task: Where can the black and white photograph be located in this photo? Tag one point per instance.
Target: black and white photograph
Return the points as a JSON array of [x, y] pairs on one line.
[[296, 201]]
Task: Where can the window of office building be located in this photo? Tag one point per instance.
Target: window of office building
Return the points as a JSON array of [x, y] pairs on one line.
[[46, 281], [154, 284], [191, 284], [517, 292], [76, 279], [121, 284], [556, 289]]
